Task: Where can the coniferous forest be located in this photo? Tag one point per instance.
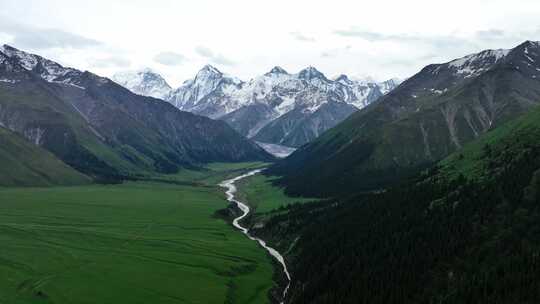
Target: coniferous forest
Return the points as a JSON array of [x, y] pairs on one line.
[[465, 231]]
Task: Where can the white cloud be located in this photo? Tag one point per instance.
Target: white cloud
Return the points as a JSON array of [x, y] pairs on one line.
[[170, 58], [301, 37], [110, 62], [213, 57], [248, 38], [204, 51], [26, 36]]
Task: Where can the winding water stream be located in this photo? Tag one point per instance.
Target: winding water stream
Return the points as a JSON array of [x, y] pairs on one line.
[[231, 190]]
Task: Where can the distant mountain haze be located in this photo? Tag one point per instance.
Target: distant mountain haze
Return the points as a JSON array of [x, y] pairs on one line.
[[144, 82]]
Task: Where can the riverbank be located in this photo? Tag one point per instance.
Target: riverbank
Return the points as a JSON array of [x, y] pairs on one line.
[[230, 192]]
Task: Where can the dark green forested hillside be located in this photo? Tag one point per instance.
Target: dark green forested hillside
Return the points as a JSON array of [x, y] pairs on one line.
[[465, 231]]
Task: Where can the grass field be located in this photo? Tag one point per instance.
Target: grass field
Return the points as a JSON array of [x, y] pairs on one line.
[[213, 173], [262, 196], [139, 242]]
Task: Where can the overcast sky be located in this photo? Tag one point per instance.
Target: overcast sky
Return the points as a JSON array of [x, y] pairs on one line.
[[382, 39]]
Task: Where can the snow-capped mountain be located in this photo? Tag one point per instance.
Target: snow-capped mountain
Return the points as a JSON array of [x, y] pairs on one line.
[[307, 89], [144, 82], [45, 68], [276, 107], [441, 108], [210, 93], [389, 85], [104, 130], [437, 79], [475, 64]]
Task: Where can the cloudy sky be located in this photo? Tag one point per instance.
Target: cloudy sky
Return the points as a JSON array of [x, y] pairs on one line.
[[381, 39]]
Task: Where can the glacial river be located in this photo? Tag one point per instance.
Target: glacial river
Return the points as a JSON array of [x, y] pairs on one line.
[[230, 192]]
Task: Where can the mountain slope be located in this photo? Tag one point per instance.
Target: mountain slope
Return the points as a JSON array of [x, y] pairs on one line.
[[30, 107], [24, 164], [465, 231], [298, 127], [426, 118], [103, 129], [263, 102]]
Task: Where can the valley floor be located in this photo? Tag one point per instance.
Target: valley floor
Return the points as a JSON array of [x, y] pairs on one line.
[[262, 196], [139, 242]]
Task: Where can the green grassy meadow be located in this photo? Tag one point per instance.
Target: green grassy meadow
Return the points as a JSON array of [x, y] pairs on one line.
[[212, 174], [139, 242], [259, 192]]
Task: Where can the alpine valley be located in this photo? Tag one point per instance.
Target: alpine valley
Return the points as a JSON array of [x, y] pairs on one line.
[[275, 108], [287, 188]]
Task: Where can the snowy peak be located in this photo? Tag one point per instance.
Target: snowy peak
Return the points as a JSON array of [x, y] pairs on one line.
[[47, 69], [277, 70], [477, 63], [526, 59], [215, 94], [208, 70], [207, 78], [389, 85], [144, 82], [310, 73], [253, 106], [26, 60], [364, 79], [10, 72], [528, 49], [344, 79], [209, 84], [211, 68], [210, 75], [529, 43]]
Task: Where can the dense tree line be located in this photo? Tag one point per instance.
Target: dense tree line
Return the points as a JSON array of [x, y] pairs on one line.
[[434, 240]]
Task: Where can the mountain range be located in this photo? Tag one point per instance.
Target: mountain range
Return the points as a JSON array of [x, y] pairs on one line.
[[103, 130], [277, 107], [430, 189], [429, 116]]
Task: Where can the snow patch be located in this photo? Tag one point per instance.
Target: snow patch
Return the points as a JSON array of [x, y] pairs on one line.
[[215, 94], [278, 151], [477, 63], [8, 80], [50, 71], [529, 58]]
